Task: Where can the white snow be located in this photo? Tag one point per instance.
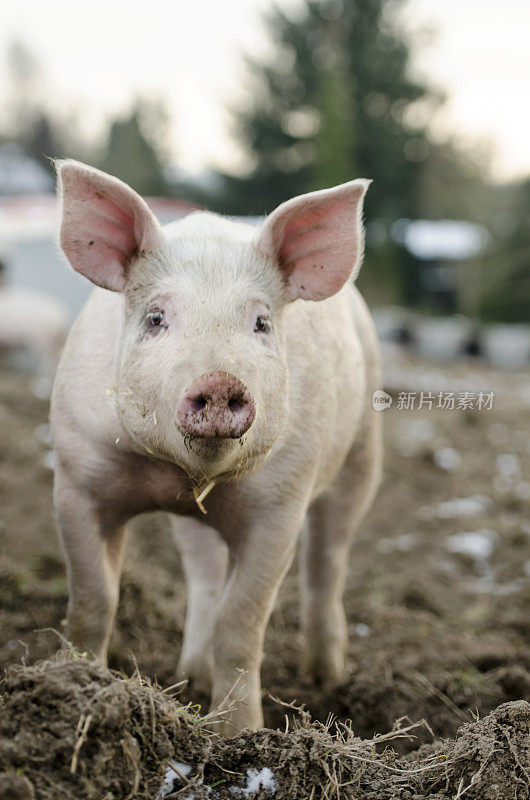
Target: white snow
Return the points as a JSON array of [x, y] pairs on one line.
[[41, 388], [48, 459], [171, 777], [447, 458], [362, 629], [507, 465], [256, 780], [508, 472], [463, 507], [477, 544]]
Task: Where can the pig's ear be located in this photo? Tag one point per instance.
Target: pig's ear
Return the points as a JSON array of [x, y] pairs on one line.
[[104, 224], [317, 239]]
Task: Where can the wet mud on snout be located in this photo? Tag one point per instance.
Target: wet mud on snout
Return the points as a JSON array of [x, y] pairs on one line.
[[437, 601]]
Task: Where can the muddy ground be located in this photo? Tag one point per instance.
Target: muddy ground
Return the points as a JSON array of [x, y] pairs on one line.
[[439, 621]]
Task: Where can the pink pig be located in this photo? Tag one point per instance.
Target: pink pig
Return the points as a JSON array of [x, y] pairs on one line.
[[225, 369]]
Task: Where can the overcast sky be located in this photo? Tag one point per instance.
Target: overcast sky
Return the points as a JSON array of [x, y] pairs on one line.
[[96, 55]]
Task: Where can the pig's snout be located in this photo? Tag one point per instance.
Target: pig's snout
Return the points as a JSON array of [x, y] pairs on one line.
[[217, 405]]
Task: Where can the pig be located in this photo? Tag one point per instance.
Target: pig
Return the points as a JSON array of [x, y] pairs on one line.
[[37, 322], [221, 373]]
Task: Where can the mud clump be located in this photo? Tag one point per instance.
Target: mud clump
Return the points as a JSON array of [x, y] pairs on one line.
[[490, 759], [72, 729]]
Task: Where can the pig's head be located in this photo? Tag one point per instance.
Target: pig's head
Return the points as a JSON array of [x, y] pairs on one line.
[[202, 377]]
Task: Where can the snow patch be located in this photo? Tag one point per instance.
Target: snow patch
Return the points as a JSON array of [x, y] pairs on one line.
[[173, 776], [362, 629], [477, 544], [48, 459], [508, 472], [41, 388], [44, 434], [447, 458], [508, 467], [463, 507], [257, 779]]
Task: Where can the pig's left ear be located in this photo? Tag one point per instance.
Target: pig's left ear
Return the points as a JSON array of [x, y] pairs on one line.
[[317, 239], [104, 224]]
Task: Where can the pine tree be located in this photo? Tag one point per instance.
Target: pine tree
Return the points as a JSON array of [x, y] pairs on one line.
[[133, 156], [331, 107], [505, 270], [42, 142]]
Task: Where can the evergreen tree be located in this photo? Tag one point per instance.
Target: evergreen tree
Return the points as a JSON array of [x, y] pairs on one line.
[[331, 107], [133, 156], [335, 142], [505, 269], [42, 142]]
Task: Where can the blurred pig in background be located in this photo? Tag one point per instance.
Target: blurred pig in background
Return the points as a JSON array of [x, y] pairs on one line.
[[35, 324]]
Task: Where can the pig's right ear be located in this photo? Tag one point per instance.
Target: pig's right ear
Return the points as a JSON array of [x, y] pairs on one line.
[[104, 224]]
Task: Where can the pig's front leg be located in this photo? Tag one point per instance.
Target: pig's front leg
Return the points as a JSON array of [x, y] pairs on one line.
[[92, 543], [204, 558], [260, 554]]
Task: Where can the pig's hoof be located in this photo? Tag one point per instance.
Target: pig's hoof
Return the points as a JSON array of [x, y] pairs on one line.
[[231, 723], [325, 668], [226, 729], [197, 673]]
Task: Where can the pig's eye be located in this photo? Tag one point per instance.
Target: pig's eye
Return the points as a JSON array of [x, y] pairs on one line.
[[262, 325], [155, 319]]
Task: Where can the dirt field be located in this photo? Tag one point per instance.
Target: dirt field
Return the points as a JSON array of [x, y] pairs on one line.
[[438, 603]]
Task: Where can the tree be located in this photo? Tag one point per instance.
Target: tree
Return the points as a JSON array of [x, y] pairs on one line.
[[43, 134], [335, 141], [133, 154], [505, 269], [42, 142], [332, 105]]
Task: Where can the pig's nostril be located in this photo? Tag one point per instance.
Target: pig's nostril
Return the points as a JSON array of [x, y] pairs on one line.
[[236, 404], [200, 402]]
